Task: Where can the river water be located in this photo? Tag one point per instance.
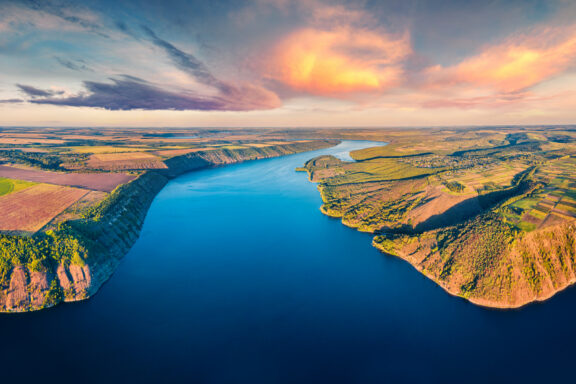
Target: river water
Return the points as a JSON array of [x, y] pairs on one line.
[[238, 278]]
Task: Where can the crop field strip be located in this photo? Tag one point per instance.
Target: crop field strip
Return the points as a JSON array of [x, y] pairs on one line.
[[104, 149], [179, 152], [96, 181], [8, 186], [30, 209], [77, 170], [125, 161], [18, 141]]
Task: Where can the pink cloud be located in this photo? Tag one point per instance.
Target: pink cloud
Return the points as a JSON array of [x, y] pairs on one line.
[[518, 63], [340, 61], [341, 51], [492, 101]]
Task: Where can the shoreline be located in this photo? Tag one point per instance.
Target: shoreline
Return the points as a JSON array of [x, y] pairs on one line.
[[483, 303], [113, 228], [475, 301]]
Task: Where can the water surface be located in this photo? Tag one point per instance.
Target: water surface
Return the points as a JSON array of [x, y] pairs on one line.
[[238, 278]]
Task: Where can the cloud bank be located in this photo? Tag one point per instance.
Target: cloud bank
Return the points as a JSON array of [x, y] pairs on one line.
[[265, 54]]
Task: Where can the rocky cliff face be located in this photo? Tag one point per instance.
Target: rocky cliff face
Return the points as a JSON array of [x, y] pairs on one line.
[[112, 230]]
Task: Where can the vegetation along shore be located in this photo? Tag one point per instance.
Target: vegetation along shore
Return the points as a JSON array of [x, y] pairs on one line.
[[487, 214], [73, 206]]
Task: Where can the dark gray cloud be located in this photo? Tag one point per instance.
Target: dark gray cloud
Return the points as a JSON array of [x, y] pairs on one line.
[[66, 10], [76, 65], [11, 101], [37, 92], [237, 94], [185, 61], [128, 93], [123, 27]]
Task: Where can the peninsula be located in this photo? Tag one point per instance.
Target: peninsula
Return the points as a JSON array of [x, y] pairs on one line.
[[486, 213]]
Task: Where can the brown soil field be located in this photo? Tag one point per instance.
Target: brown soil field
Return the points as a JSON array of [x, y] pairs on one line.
[[31, 209], [18, 141], [179, 152], [120, 161], [75, 210], [172, 140], [122, 156], [26, 135], [32, 150], [96, 181], [95, 149], [88, 137], [438, 202]]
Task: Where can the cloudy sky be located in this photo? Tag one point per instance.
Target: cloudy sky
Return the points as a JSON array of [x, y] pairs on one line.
[[287, 62]]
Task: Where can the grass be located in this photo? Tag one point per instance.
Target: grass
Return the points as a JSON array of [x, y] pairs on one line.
[[381, 169], [10, 185], [391, 150]]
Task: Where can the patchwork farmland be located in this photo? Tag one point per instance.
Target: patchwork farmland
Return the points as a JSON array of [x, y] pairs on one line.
[[489, 217], [95, 181], [125, 161], [30, 209], [50, 176]]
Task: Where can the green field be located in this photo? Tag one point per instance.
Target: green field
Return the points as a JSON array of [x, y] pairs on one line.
[[9, 185]]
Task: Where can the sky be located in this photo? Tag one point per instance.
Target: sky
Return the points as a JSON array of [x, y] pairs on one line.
[[287, 63]]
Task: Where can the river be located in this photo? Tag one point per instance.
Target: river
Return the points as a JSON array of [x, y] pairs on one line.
[[238, 278]]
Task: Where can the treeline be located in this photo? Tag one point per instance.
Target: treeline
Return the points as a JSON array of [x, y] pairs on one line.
[[48, 161], [41, 252], [455, 186], [126, 197]]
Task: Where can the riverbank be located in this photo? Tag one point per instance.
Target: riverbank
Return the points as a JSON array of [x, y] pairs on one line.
[[89, 249], [492, 225]]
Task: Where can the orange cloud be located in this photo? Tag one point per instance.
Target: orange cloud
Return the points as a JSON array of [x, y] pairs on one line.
[[341, 60], [516, 64], [507, 100]]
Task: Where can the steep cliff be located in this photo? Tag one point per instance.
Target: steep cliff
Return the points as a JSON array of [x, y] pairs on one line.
[[71, 262]]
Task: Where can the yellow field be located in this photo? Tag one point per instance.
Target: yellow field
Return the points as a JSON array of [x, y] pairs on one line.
[[10, 185], [124, 161], [20, 141], [105, 149], [500, 175], [179, 152], [123, 156]]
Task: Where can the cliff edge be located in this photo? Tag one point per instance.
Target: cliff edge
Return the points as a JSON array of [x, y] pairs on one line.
[[71, 262]]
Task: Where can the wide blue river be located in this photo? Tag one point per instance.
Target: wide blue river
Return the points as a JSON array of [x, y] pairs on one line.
[[238, 278]]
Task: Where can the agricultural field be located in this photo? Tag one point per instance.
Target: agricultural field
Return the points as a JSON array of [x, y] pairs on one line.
[[104, 149], [93, 181], [487, 214], [73, 201], [56, 175], [125, 161], [9, 185], [30, 209]]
